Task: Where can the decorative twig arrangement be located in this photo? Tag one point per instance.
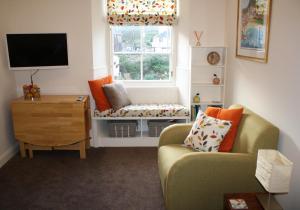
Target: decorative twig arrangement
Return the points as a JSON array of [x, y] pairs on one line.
[[198, 35]]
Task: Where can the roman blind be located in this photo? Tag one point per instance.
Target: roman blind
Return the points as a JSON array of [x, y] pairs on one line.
[[141, 12]]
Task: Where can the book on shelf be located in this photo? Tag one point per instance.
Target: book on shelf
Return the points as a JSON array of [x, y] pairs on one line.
[[194, 111], [215, 105]]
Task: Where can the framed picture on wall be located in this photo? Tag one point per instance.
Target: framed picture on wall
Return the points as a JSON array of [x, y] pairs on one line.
[[253, 29]]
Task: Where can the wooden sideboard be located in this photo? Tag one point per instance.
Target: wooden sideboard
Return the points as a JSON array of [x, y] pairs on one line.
[[52, 122]]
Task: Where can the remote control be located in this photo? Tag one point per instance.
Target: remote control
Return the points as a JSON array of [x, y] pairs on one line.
[[80, 98]]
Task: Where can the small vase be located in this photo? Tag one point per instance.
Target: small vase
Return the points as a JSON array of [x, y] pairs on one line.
[[216, 80], [196, 98]]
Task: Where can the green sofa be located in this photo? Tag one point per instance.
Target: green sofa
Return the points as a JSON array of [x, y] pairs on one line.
[[198, 180]]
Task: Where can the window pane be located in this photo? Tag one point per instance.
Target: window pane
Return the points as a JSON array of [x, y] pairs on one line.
[[127, 67], [157, 39], [126, 39], [156, 67]]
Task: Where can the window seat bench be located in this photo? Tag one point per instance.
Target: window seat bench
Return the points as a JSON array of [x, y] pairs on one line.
[[137, 111], [148, 103]]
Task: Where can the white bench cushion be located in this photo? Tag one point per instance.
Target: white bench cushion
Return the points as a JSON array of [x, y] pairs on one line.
[[146, 110]]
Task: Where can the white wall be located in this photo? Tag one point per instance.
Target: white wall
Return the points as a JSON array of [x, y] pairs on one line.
[[208, 16], [101, 37], [7, 93], [272, 89], [47, 16], [70, 16], [201, 15]]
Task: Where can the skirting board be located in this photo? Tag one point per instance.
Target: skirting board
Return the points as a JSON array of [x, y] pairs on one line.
[[8, 154], [126, 142]]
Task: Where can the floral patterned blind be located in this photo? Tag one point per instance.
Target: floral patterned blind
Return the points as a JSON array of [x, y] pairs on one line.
[[141, 12]]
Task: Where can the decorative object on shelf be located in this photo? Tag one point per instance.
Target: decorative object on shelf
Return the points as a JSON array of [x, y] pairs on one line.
[[194, 111], [253, 30], [198, 35], [31, 92], [216, 80], [274, 172], [196, 98], [213, 58]]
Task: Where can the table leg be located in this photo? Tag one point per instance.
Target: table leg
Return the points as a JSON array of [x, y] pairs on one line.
[[30, 153], [87, 143], [22, 149], [82, 150]]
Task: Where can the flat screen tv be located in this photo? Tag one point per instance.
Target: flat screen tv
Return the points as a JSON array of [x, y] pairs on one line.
[[37, 51]]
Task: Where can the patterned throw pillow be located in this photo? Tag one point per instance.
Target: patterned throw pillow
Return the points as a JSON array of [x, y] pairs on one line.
[[207, 133]]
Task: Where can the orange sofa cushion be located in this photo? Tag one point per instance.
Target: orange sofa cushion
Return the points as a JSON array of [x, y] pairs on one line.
[[233, 115], [212, 111], [97, 91]]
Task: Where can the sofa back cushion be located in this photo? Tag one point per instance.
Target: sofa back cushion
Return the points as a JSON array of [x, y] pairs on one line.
[[212, 111], [153, 95], [232, 115], [254, 133]]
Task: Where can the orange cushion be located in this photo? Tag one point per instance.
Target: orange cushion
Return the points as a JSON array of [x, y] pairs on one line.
[[212, 111], [233, 115], [98, 93]]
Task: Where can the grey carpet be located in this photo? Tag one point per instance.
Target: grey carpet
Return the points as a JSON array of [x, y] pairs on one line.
[[110, 178]]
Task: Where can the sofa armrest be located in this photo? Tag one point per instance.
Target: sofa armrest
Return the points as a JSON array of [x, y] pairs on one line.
[[199, 180], [174, 134]]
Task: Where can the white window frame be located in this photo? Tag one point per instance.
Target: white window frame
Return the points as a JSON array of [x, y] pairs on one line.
[[141, 82]]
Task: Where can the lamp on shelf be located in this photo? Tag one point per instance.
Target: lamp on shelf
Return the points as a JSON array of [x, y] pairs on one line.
[[273, 171]]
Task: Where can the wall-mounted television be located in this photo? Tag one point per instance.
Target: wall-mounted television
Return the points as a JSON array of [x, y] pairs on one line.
[[37, 51]]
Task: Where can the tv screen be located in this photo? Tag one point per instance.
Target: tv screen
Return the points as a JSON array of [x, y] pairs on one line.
[[37, 51]]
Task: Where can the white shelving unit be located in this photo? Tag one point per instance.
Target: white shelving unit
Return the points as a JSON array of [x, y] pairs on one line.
[[201, 77]]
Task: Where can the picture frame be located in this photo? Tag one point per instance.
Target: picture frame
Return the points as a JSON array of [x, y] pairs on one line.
[[253, 29]]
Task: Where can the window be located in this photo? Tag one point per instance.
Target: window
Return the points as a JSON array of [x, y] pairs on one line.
[[141, 52]]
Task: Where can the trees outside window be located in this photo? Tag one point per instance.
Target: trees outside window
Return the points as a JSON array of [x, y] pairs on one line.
[[141, 52]]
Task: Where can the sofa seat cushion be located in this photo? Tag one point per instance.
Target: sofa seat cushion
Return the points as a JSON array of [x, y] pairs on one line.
[[167, 156], [146, 110]]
